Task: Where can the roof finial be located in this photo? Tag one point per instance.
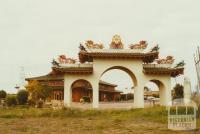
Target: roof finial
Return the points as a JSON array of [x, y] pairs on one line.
[[116, 42]]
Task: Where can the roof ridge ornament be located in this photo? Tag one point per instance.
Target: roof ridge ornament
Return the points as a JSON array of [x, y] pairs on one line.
[[55, 63], [167, 60], [82, 48], [155, 48], [91, 45], [116, 42], [180, 64], [141, 45], [66, 60]]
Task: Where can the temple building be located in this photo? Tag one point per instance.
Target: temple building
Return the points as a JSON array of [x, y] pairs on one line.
[[94, 60], [81, 88]]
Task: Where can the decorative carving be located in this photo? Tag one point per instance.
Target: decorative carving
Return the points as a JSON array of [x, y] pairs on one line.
[[155, 48], [71, 61], [82, 48], [180, 64], [90, 44], [55, 63], [167, 60], [64, 59], [142, 45], [116, 42]]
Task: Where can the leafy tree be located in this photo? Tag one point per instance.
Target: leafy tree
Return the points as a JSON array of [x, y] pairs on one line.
[[3, 94], [11, 100], [146, 89], [178, 91], [32, 85], [37, 90], [22, 97]]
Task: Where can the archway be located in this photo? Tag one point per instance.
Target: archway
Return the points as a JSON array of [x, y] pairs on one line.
[[117, 92], [154, 93], [81, 89], [128, 71]]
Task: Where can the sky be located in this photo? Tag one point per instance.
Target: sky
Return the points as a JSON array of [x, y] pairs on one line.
[[33, 32]]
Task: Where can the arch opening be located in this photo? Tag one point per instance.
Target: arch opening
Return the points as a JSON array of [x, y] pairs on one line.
[[121, 82], [154, 93], [81, 89], [129, 72]]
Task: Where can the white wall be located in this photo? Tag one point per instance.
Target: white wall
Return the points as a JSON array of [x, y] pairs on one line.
[[135, 66]]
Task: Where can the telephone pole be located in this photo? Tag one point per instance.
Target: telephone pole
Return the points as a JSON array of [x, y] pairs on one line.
[[197, 67], [21, 81]]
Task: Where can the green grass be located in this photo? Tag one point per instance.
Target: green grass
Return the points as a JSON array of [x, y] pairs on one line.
[[156, 113]]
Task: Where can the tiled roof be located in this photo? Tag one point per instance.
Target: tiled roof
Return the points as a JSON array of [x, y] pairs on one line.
[[73, 70], [146, 57], [46, 77], [106, 83], [60, 77], [171, 71]]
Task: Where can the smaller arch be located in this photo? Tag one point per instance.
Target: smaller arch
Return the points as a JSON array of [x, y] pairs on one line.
[[158, 83], [161, 90], [128, 71], [83, 82], [81, 88]]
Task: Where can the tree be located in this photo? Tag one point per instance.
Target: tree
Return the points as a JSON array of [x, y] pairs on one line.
[[37, 90], [22, 97], [146, 89], [11, 100], [3, 94], [178, 91]]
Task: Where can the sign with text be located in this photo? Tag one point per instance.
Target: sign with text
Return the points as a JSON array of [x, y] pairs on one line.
[[182, 115]]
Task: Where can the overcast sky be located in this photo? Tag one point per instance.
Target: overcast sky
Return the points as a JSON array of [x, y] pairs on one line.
[[32, 32]]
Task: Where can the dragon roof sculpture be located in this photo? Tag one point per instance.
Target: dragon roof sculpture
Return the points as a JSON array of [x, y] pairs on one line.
[[141, 45], [64, 59], [167, 60], [91, 45]]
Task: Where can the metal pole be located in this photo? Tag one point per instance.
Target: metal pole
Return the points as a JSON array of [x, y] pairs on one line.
[[197, 66]]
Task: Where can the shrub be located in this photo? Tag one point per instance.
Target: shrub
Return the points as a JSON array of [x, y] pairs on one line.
[[40, 103], [22, 97], [86, 99], [130, 96], [31, 102], [11, 100], [123, 97], [178, 89], [2, 94]]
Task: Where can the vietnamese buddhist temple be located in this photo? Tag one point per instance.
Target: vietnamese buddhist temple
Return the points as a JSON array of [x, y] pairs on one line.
[[71, 79], [80, 88]]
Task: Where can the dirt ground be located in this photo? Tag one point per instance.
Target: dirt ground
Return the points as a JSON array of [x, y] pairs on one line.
[[91, 125]]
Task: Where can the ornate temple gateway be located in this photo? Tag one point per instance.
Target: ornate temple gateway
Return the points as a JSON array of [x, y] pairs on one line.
[[94, 60]]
